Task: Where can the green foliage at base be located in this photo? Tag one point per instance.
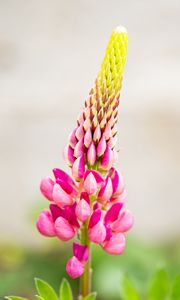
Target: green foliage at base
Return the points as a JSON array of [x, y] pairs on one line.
[[46, 292]]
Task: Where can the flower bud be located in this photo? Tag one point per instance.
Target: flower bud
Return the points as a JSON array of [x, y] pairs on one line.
[[83, 210], [64, 230], [116, 244], [124, 222], [78, 168], [60, 197], [74, 267], [45, 223], [46, 187]]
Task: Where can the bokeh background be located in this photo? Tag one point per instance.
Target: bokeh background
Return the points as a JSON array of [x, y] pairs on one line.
[[50, 53]]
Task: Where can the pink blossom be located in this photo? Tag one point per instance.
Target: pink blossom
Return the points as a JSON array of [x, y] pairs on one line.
[[75, 265]]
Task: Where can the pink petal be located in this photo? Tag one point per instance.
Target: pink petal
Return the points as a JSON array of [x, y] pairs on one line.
[[85, 196], [79, 132], [90, 184], [106, 191], [117, 181], [91, 154], [81, 252], [107, 132], [72, 139], [56, 211], [60, 174], [60, 197], [95, 218], [46, 187], [79, 148], [97, 234], [116, 244], [107, 159], [69, 155], [63, 229], [97, 176], [88, 138], [45, 223], [101, 147], [83, 210], [97, 134], [113, 213], [74, 267], [78, 168], [124, 222]]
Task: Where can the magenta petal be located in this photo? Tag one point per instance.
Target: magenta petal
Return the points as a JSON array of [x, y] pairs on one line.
[[97, 176], [79, 148], [97, 233], [45, 223], [116, 244], [117, 181], [81, 252], [69, 155], [79, 132], [107, 159], [106, 191], [56, 211], [90, 184], [72, 138], [108, 232], [70, 215], [95, 218], [62, 175], [124, 222], [85, 196], [74, 267], [101, 146], [60, 197], [91, 154], [64, 230], [46, 187], [113, 213], [83, 210], [78, 168]]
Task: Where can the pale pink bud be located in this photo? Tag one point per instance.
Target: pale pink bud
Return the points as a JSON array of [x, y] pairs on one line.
[[45, 223], [69, 155], [79, 132], [78, 168], [117, 181], [46, 187], [97, 233], [83, 210], [64, 230], [72, 139], [60, 197], [101, 147], [79, 148], [112, 142], [106, 191], [124, 222], [90, 184], [87, 124], [91, 154], [107, 132], [107, 159], [116, 244], [74, 267], [97, 134], [88, 138]]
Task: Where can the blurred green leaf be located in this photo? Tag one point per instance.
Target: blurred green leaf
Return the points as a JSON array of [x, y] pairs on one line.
[[91, 296], [159, 285], [65, 290], [39, 297], [15, 298], [129, 291], [45, 290], [175, 294]]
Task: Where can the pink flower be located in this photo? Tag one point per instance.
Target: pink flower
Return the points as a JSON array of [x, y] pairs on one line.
[[46, 187], [92, 181], [116, 244], [75, 265]]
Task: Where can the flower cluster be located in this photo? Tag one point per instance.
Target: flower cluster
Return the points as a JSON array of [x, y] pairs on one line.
[[94, 197]]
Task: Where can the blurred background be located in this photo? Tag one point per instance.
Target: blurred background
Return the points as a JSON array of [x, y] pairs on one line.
[[50, 53]]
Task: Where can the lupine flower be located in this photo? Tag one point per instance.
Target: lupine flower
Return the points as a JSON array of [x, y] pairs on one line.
[[75, 265], [93, 198]]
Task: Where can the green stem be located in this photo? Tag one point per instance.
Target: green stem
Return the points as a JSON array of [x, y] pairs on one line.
[[85, 280]]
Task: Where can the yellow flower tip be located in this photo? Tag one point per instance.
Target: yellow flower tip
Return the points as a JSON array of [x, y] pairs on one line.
[[120, 29]]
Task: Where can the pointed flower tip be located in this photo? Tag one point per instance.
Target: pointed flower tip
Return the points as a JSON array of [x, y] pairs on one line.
[[120, 29]]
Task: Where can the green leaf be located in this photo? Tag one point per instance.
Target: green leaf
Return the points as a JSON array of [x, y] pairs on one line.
[[91, 296], [39, 297], [45, 290], [129, 291], [15, 298], [65, 290], [159, 285], [175, 294]]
